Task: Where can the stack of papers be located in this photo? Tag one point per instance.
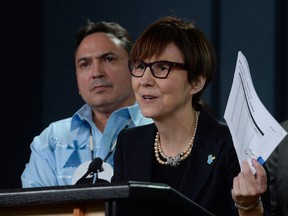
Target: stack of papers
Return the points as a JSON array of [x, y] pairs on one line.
[[254, 131]]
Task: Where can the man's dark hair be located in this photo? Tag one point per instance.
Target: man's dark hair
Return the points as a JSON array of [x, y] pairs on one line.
[[112, 28]]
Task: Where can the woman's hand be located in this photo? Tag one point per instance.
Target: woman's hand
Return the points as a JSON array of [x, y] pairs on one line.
[[248, 188]]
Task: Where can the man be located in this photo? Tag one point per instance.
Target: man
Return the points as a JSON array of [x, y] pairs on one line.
[[104, 82], [277, 165]]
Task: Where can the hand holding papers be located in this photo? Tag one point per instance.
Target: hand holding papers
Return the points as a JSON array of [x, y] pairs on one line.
[[254, 131]]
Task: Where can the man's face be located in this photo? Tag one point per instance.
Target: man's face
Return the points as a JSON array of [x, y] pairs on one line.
[[103, 77]]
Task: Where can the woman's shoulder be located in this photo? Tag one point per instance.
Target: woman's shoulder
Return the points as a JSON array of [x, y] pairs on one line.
[[141, 129], [210, 119]]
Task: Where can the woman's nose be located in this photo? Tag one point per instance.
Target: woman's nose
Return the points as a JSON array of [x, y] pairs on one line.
[[147, 79]]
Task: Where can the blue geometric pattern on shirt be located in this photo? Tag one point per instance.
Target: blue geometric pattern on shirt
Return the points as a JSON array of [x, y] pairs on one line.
[[74, 159]]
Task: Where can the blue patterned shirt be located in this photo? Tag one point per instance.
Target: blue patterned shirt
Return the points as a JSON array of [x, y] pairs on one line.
[[64, 145]]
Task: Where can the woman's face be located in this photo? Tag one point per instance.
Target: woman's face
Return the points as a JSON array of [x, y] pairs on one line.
[[159, 98]]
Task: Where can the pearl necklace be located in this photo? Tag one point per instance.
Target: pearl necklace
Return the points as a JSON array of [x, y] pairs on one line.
[[174, 161]]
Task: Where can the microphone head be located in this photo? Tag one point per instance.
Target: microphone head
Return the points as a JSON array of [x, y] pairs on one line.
[[95, 165]]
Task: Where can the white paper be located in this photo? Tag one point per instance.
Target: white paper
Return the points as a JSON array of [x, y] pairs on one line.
[[254, 131]]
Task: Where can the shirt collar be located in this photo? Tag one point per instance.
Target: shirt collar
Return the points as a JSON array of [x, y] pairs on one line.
[[84, 115]]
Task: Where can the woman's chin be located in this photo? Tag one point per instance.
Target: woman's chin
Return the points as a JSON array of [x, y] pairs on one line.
[[148, 113]]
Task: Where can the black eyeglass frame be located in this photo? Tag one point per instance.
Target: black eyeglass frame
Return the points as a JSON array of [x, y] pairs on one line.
[[169, 63]]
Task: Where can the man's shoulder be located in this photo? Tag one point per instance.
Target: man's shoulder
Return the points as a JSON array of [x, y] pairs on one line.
[[58, 127], [61, 123]]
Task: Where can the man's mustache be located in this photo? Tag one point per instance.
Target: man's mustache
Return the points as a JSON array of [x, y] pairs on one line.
[[99, 83]]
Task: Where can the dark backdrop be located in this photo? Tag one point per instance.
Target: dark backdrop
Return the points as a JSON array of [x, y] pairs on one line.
[[38, 78]]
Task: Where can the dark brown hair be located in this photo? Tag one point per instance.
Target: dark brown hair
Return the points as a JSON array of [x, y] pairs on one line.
[[112, 28], [197, 50]]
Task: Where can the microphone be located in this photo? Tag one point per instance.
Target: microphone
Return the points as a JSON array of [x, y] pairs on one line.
[[94, 166]]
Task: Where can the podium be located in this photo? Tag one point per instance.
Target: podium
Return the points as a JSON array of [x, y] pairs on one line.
[[105, 199]]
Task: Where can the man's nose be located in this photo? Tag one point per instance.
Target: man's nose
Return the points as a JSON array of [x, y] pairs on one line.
[[97, 69]]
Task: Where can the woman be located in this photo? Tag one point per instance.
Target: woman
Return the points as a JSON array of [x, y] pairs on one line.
[[172, 63]]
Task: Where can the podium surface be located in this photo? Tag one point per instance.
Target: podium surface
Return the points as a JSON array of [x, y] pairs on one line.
[[107, 199]]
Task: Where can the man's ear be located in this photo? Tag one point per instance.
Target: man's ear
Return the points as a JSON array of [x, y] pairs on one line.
[[197, 85]]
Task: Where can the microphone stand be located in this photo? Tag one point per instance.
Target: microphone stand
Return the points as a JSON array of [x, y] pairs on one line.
[[93, 168], [95, 176]]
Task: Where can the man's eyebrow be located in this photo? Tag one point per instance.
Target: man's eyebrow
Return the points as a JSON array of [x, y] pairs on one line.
[[82, 59], [104, 55]]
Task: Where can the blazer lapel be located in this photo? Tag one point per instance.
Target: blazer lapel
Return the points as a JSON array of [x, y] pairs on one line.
[[203, 157], [143, 152]]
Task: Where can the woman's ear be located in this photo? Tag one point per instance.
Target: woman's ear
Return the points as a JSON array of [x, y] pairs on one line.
[[197, 85]]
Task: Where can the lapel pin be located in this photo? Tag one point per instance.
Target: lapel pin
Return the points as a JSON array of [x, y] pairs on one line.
[[210, 159]]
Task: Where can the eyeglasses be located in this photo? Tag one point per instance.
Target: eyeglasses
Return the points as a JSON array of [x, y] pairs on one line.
[[159, 69]]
